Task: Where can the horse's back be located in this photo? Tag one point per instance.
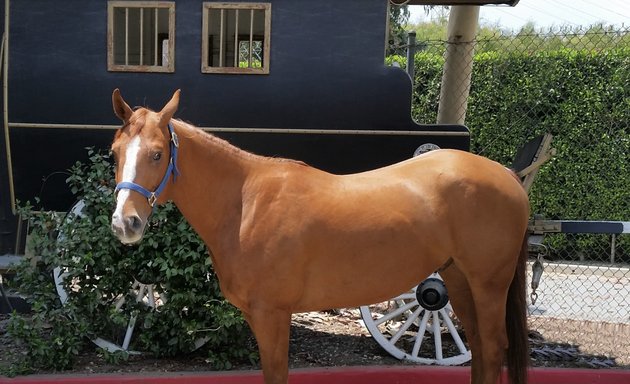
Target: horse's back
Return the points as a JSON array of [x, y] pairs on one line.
[[442, 187], [452, 175]]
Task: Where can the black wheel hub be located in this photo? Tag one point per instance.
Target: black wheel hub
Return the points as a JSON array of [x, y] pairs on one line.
[[432, 294]]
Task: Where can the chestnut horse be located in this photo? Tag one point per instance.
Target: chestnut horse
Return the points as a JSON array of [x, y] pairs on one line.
[[285, 237]]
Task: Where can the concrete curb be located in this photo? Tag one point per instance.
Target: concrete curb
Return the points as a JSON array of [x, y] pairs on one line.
[[345, 375]]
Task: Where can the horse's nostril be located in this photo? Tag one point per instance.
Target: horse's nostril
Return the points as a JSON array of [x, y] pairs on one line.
[[134, 223], [117, 230]]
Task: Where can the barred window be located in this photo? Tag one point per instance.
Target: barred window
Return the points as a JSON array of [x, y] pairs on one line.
[[236, 38], [141, 36]]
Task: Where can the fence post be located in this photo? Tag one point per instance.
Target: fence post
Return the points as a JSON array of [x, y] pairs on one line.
[[613, 248], [462, 29], [411, 55]]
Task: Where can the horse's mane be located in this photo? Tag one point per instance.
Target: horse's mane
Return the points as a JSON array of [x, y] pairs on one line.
[[226, 145], [140, 114]]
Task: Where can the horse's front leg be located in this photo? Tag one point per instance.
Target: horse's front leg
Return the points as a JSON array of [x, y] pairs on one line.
[[271, 329]]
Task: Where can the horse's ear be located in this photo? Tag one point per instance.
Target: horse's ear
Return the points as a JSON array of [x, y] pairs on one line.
[[169, 109], [121, 109]]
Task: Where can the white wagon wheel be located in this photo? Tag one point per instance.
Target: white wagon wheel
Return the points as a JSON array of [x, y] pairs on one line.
[[409, 331], [143, 293]]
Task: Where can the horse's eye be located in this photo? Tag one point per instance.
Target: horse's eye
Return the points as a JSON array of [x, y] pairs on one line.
[[157, 156]]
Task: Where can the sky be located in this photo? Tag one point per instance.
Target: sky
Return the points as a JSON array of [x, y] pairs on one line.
[[548, 13]]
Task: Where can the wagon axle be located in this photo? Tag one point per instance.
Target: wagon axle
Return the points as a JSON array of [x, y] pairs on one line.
[[431, 294]]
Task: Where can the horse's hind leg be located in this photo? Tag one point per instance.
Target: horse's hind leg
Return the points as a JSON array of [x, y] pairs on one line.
[[463, 304], [271, 329], [490, 300]]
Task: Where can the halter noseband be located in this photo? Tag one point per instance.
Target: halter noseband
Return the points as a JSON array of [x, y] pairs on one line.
[[172, 169]]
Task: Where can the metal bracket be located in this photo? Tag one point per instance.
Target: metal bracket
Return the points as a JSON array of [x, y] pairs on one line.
[[537, 271], [540, 227]]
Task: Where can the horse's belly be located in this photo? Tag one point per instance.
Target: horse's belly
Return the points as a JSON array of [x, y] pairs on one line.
[[364, 277], [370, 255]]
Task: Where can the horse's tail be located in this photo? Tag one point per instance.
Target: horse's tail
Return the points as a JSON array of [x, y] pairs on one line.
[[516, 322]]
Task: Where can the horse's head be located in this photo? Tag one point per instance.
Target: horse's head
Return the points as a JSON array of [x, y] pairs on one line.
[[145, 152]]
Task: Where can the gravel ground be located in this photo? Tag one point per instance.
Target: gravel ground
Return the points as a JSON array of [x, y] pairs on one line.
[[318, 339]]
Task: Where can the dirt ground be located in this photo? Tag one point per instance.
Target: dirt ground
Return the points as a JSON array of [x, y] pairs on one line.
[[318, 339]]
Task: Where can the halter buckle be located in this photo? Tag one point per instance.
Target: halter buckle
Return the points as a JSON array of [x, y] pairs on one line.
[[174, 139], [152, 199]]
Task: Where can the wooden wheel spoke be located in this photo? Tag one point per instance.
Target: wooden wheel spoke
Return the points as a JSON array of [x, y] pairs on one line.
[[437, 336], [129, 332], [420, 335], [406, 325], [397, 312], [453, 331]]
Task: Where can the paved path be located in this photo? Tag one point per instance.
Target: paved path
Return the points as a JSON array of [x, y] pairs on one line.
[[583, 293]]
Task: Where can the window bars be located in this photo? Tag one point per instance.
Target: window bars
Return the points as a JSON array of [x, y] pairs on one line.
[[236, 38], [141, 36]]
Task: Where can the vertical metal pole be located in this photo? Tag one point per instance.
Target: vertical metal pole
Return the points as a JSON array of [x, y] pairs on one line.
[[251, 37], [613, 248], [155, 38], [126, 36], [411, 54], [141, 36], [221, 40], [236, 58]]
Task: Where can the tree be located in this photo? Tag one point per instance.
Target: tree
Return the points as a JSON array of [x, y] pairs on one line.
[[397, 35]]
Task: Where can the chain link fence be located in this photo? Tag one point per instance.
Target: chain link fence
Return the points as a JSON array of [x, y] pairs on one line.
[[583, 298], [575, 84]]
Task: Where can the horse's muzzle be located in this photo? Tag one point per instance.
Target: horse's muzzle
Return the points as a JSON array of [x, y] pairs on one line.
[[129, 229]]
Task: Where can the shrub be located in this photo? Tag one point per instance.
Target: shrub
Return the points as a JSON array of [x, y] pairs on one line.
[[99, 273]]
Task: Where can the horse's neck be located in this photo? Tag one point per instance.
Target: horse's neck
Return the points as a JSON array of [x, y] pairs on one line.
[[208, 190]]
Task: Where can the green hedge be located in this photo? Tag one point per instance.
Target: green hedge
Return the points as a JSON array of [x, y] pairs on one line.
[[581, 97]]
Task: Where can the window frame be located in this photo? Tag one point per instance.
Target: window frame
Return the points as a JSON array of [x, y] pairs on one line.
[[266, 7], [111, 65]]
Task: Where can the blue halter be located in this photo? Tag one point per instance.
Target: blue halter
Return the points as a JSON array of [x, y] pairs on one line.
[[172, 169]]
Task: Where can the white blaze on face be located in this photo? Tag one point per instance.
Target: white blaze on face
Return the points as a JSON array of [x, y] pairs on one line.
[[129, 175]]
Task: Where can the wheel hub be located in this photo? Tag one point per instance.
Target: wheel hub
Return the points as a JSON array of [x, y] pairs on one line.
[[432, 294]]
